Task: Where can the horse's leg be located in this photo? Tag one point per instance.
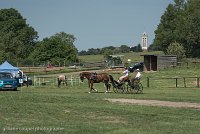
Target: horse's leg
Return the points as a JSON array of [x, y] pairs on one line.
[[89, 84], [94, 88], [91, 87], [58, 82], [106, 84], [66, 82]]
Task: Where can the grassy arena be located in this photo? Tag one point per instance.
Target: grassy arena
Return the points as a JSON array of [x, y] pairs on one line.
[[47, 109]]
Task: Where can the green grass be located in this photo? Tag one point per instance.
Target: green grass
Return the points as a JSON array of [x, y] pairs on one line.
[[91, 58], [75, 111]]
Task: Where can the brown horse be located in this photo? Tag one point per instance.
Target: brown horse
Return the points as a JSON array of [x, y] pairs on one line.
[[94, 77], [62, 78]]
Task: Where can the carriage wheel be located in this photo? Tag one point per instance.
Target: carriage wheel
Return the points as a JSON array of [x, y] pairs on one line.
[[126, 88], [138, 88], [114, 89], [121, 89], [141, 88], [134, 89], [129, 89]]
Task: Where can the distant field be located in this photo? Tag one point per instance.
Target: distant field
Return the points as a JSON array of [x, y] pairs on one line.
[[134, 56]]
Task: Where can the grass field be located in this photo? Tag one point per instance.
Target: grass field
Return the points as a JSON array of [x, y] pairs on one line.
[[134, 56], [72, 110]]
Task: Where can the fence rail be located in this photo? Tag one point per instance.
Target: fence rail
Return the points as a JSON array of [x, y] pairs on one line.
[[177, 80], [72, 80]]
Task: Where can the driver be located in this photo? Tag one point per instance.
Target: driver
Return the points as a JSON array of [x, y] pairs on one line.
[[138, 75], [125, 72]]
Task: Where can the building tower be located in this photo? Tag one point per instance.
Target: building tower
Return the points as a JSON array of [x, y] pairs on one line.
[[144, 41]]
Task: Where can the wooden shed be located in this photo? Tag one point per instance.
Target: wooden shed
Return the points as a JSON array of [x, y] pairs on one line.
[[157, 62]]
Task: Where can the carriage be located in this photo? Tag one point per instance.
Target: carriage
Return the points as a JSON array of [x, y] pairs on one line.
[[127, 86]]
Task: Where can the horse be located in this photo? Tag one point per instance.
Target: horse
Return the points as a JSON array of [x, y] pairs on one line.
[[62, 78], [94, 77]]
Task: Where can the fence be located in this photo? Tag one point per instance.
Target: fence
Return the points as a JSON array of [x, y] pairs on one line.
[[174, 82], [72, 80], [40, 69]]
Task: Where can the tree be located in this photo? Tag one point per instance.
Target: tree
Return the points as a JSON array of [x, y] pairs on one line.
[[180, 23], [83, 52], [109, 48], [191, 29], [124, 48], [176, 49], [17, 38], [107, 54], [137, 48], [57, 49], [168, 30], [93, 51]]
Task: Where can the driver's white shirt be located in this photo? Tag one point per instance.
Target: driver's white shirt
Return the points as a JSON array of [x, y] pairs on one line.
[[138, 75], [126, 73]]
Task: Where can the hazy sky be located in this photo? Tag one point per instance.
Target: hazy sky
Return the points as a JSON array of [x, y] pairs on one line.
[[95, 23]]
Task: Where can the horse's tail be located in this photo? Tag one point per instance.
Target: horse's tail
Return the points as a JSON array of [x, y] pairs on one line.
[[111, 78], [112, 81]]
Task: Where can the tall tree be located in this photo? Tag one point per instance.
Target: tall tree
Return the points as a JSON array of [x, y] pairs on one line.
[[192, 29], [17, 38], [169, 28]]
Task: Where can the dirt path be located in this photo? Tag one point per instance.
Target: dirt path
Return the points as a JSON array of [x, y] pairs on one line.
[[157, 103]]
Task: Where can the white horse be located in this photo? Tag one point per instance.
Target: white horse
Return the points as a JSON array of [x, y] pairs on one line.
[[62, 79]]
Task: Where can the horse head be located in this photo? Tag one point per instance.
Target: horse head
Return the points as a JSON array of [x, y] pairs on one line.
[[82, 76]]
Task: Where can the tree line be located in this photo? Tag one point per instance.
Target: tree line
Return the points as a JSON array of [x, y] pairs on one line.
[[111, 50]]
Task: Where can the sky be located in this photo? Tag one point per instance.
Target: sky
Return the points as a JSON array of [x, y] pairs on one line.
[[94, 23]]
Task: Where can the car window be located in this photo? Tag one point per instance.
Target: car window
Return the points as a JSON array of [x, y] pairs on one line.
[[5, 75]]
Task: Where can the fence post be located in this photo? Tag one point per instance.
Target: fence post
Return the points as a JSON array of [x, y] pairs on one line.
[[198, 82], [184, 82], [147, 81], [176, 82]]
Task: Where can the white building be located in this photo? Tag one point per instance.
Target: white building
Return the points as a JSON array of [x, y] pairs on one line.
[[144, 41]]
